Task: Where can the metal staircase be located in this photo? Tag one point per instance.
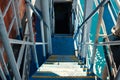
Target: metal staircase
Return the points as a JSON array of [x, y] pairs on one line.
[[80, 56], [62, 67]]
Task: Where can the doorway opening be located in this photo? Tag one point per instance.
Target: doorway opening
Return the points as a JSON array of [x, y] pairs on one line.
[[63, 18]]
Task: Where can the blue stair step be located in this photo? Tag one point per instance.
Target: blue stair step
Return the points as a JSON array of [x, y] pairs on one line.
[[62, 67], [63, 45]]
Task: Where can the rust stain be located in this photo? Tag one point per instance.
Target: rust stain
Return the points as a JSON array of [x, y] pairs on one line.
[[8, 19]]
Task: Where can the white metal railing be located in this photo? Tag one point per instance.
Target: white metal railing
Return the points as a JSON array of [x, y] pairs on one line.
[[96, 42], [27, 43], [8, 49]]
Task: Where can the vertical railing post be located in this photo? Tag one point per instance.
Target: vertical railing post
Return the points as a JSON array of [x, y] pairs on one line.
[[96, 36], [46, 18], [21, 51], [25, 72], [83, 50], [86, 30], [42, 34], [30, 28], [43, 38], [41, 24], [8, 48]]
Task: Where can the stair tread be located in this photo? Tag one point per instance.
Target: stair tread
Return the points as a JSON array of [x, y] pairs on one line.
[[60, 73], [64, 76], [63, 70], [60, 63], [65, 66], [61, 66], [61, 58]]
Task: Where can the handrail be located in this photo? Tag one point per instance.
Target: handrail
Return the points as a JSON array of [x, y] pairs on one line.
[[92, 13], [103, 43]]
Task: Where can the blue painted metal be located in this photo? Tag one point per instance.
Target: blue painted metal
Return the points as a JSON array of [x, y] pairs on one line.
[[107, 17], [38, 47], [113, 10], [63, 45], [91, 69], [8, 77], [82, 3], [98, 64], [114, 6]]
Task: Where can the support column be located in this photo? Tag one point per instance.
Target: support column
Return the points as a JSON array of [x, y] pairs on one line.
[[30, 28], [42, 27], [86, 28], [46, 18]]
